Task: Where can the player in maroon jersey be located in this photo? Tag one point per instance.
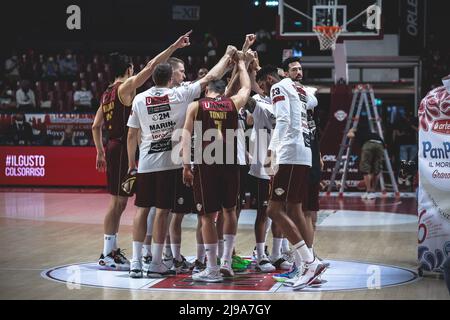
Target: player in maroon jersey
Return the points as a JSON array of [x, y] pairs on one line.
[[216, 180], [114, 110]]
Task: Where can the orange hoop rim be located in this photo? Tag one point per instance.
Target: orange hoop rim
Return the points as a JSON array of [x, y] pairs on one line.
[[329, 30]]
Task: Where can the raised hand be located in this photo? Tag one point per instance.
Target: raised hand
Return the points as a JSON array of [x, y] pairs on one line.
[[249, 56], [249, 41], [240, 55], [231, 50], [183, 41]]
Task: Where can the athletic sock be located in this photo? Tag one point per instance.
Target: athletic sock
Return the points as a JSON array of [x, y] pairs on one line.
[[302, 254], [220, 246], [201, 253], [276, 247], [108, 243], [260, 250], [285, 245], [137, 250], [176, 251], [157, 249], [229, 240], [211, 253], [147, 250]]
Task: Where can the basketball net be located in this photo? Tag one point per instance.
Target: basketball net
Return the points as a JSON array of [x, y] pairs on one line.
[[327, 36]]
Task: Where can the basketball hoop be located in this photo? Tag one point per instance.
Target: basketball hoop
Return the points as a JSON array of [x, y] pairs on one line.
[[327, 36]]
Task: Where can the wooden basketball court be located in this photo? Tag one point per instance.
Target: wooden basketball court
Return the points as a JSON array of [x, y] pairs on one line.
[[43, 230]]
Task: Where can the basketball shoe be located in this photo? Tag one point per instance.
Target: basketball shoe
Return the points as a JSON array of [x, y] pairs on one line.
[[264, 265], [255, 253], [283, 277], [159, 271], [238, 264], [168, 260], [146, 260], [226, 269], [182, 266], [120, 256], [198, 266], [113, 262], [135, 269], [309, 273], [208, 275], [282, 262]]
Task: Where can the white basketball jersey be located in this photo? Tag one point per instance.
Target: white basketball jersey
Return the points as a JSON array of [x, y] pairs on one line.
[[264, 122], [291, 137], [158, 112]]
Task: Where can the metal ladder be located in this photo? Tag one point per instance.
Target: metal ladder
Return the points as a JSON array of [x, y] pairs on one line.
[[361, 94]]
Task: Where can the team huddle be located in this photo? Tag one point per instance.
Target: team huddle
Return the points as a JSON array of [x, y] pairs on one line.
[[193, 158]]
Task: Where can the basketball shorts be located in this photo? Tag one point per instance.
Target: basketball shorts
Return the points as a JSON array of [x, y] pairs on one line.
[[156, 189], [243, 178], [184, 195], [262, 193], [290, 183], [215, 187], [312, 199], [116, 167]]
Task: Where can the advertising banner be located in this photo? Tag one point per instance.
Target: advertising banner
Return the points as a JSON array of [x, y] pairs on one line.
[[49, 166], [434, 180]]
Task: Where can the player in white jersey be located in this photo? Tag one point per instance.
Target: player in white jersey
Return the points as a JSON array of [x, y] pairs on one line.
[[263, 125], [157, 113], [290, 155], [293, 69], [172, 249]]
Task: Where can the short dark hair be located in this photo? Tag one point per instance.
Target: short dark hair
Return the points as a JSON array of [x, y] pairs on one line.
[[119, 64], [217, 86], [162, 74], [173, 61], [265, 71], [288, 61]]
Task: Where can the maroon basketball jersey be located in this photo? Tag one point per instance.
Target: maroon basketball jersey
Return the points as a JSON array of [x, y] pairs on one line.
[[218, 114], [115, 113]]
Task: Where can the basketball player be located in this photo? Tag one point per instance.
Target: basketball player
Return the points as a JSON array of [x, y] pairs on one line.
[[293, 69], [158, 112], [114, 111], [216, 184], [290, 154], [264, 122]]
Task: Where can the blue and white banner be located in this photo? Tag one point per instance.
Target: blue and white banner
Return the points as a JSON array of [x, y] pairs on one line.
[[434, 180]]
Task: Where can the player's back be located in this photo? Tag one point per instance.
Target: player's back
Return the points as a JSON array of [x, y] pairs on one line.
[[219, 114], [115, 113], [160, 111]]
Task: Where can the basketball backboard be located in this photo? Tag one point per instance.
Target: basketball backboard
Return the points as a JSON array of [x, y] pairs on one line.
[[361, 19]]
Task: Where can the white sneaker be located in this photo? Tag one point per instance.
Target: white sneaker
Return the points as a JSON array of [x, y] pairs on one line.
[[168, 261], [146, 263], [135, 269], [225, 268], [113, 261], [281, 262], [208, 275], [364, 195], [264, 265], [159, 271], [310, 273], [371, 196]]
